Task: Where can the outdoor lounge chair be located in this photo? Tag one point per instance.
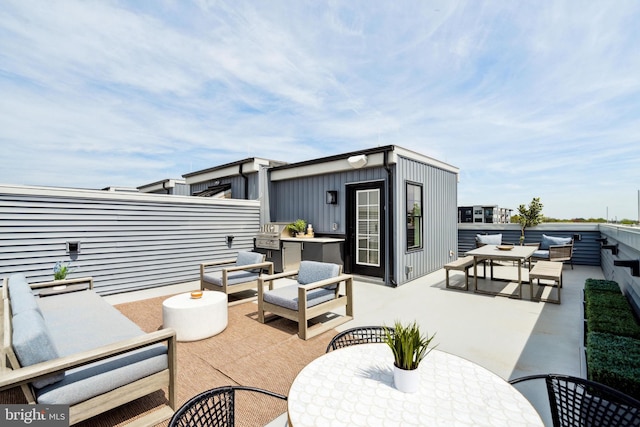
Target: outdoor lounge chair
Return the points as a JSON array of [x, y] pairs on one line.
[[318, 288], [580, 402], [215, 407], [554, 249], [359, 335], [240, 274]]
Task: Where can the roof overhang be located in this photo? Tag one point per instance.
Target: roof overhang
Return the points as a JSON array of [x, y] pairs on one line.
[[242, 167], [161, 185], [374, 157]]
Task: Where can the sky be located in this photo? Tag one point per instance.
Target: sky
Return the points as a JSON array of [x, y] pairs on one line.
[[528, 99]]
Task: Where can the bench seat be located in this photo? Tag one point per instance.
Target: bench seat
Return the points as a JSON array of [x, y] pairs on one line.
[[546, 270], [461, 264]]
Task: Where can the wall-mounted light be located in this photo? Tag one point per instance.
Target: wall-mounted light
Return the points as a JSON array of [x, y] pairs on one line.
[[73, 246], [332, 197]]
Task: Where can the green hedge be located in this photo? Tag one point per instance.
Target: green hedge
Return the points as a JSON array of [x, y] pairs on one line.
[[612, 337], [591, 285], [615, 361]]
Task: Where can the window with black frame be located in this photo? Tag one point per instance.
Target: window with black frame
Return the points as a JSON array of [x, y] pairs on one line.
[[414, 216]]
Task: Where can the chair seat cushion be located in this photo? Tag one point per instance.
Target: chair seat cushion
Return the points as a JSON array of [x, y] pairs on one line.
[[287, 296], [233, 278], [541, 254]]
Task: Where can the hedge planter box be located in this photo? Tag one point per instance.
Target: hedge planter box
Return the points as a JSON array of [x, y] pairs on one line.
[[615, 361]]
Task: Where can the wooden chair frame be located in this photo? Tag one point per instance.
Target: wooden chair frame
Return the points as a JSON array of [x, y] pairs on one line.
[[239, 287], [304, 313]]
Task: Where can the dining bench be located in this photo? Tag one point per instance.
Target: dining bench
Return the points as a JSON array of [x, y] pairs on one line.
[[461, 264], [546, 270]]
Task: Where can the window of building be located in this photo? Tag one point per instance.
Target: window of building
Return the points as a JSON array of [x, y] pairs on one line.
[[414, 216]]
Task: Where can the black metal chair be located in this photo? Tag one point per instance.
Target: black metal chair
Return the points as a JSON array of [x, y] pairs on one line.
[[359, 335], [580, 402], [215, 407]]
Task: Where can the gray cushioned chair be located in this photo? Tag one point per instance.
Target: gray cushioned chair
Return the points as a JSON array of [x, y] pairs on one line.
[[236, 275], [318, 286], [553, 248]]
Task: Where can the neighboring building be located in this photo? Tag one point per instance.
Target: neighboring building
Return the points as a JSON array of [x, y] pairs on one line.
[[176, 187], [484, 214]]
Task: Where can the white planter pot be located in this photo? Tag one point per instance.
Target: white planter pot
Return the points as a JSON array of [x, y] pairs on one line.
[[406, 381]]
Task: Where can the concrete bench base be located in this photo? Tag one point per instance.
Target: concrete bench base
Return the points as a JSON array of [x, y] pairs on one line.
[[546, 270]]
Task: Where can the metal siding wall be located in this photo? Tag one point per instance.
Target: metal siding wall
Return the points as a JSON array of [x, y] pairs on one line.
[[126, 244], [585, 251], [305, 198], [628, 241], [439, 219]]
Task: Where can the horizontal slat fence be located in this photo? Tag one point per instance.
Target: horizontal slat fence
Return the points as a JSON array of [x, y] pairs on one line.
[[127, 241]]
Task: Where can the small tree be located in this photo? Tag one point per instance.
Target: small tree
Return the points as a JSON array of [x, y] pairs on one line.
[[529, 216]]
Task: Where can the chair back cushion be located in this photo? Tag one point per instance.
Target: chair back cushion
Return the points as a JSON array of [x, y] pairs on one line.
[[248, 258], [489, 239], [553, 241], [314, 271]]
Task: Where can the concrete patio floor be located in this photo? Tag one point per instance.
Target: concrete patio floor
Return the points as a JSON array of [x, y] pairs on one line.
[[510, 337]]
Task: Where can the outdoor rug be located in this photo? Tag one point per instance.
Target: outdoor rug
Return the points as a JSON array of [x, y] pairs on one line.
[[248, 353]]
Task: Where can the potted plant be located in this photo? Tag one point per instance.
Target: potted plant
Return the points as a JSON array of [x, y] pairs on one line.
[[297, 227], [60, 270], [409, 348]]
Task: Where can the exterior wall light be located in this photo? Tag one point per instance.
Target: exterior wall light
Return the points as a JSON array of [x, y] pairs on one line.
[[332, 197]]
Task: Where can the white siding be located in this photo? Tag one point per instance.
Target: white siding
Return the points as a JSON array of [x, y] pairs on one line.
[[128, 241]]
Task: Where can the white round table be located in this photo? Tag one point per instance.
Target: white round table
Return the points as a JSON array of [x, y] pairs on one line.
[[353, 386], [195, 319]]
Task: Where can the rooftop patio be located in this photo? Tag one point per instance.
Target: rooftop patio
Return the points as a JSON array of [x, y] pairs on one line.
[[508, 336]]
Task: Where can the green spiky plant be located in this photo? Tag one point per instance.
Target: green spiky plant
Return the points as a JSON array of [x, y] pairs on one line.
[[408, 345]]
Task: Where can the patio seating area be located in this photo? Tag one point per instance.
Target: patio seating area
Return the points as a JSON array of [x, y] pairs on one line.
[[510, 337]]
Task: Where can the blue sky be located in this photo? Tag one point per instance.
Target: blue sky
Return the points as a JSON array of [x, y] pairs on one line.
[[529, 99]]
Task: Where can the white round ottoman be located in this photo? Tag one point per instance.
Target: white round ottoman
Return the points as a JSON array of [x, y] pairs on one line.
[[195, 319]]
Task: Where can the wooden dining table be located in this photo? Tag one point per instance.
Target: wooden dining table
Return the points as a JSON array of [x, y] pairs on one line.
[[518, 254], [353, 386]]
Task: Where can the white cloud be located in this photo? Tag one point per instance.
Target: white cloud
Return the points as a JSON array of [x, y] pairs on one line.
[[520, 96]]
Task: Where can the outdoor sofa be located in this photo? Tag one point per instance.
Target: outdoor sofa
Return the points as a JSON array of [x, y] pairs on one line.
[[63, 344]]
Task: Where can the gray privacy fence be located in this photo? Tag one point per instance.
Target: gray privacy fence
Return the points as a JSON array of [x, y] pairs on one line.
[[127, 241], [586, 248]]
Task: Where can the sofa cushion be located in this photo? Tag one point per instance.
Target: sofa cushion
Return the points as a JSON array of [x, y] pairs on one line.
[[22, 301], [233, 278], [553, 241], [287, 296], [80, 384], [81, 321], [489, 239], [18, 285], [32, 343]]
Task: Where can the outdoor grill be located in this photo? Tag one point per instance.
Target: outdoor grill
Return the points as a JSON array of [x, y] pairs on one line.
[[270, 235]]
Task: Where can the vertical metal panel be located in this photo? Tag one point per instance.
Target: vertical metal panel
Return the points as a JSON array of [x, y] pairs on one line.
[[305, 198], [439, 219], [128, 241]]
